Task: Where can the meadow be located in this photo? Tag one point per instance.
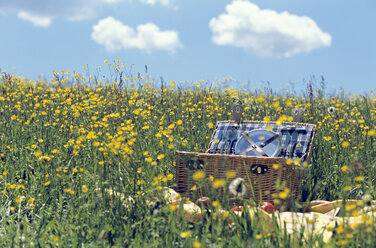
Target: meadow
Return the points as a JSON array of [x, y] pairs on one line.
[[68, 141]]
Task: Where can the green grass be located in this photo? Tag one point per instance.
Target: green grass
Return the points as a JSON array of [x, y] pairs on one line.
[[63, 143]]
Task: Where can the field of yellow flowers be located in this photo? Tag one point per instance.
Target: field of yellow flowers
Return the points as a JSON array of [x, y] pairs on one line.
[[67, 142]]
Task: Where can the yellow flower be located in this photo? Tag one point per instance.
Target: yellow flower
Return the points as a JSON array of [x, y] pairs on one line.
[[196, 244], [345, 144], [347, 188], [55, 239], [38, 153], [210, 125], [372, 132], [329, 228], [258, 236], [283, 195], [345, 168], [230, 174], [359, 178], [170, 177], [44, 158], [216, 204], [55, 151], [172, 207], [297, 161], [47, 183], [185, 234], [266, 119], [91, 135], [342, 242], [198, 175], [84, 188], [173, 84], [219, 183], [160, 156], [340, 229]]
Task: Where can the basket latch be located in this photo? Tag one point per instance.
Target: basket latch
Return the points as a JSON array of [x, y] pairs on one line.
[[259, 169], [296, 114], [237, 112]]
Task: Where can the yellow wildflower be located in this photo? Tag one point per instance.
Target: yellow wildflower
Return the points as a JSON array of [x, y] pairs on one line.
[[84, 188], [219, 183], [185, 234], [198, 175]]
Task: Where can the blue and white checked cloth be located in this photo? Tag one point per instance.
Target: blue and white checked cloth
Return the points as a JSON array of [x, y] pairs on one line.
[[228, 133]]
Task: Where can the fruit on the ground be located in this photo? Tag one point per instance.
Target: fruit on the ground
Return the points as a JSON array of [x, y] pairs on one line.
[[267, 207], [237, 208]]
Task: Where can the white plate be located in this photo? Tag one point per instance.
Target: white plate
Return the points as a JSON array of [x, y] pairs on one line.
[[259, 136]]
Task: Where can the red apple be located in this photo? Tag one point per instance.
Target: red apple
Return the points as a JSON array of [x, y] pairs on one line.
[[237, 208], [267, 207]]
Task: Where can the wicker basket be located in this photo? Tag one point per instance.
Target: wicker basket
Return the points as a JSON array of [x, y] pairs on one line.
[[264, 177]]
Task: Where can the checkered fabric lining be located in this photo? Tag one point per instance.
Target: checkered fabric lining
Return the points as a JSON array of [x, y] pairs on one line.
[[301, 135]]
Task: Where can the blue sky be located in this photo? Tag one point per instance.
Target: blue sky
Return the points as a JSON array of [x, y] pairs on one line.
[[251, 42]]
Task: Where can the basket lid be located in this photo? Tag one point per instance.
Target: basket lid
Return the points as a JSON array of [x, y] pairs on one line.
[[254, 138]]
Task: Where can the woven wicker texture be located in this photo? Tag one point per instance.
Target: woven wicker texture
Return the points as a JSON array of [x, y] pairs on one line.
[[258, 173], [263, 181]]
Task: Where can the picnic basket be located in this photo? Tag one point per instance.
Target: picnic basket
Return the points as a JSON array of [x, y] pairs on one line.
[[265, 177]]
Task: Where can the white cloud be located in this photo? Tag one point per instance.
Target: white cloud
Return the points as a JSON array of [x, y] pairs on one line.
[[266, 32], [114, 35], [38, 21], [42, 12]]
